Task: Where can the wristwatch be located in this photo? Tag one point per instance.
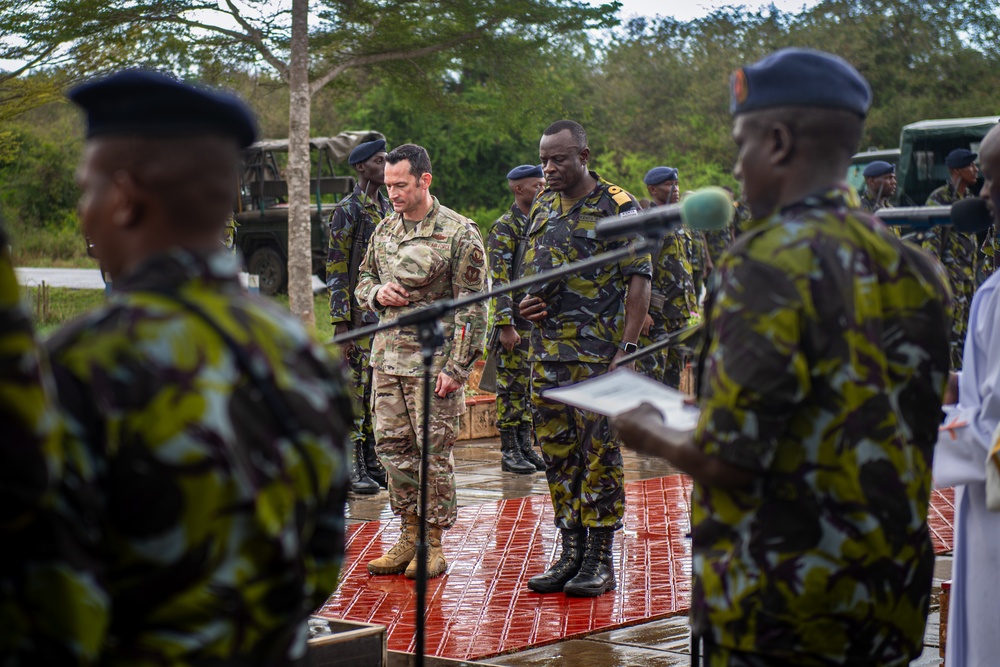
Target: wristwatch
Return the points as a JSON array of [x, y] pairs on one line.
[[628, 348]]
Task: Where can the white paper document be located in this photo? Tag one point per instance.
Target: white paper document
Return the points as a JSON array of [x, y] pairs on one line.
[[622, 390]]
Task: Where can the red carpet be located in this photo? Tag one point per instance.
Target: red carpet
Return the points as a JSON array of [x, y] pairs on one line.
[[481, 607]]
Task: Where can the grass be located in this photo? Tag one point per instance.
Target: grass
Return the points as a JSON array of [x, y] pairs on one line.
[[56, 247], [65, 305]]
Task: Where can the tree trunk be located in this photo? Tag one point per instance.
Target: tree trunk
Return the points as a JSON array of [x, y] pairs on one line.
[[300, 296]]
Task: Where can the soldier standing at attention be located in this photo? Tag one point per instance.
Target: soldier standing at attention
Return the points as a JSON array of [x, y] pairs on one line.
[[821, 377], [582, 325], [207, 428], [421, 253], [956, 250], [671, 299], [351, 228], [662, 183], [505, 245], [880, 186]]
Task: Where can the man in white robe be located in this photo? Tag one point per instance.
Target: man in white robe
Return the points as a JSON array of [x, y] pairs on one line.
[[960, 461]]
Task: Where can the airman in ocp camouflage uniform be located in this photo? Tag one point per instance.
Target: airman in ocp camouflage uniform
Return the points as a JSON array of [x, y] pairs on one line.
[[207, 429], [582, 325], [351, 228], [956, 250], [421, 253], [821, 377], [505, 247], [53, 612]]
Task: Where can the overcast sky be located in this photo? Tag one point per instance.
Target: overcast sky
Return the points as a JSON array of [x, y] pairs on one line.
[[685, 10]]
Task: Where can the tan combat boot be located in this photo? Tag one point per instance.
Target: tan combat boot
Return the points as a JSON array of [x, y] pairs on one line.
[[436, 564], [401, 553]]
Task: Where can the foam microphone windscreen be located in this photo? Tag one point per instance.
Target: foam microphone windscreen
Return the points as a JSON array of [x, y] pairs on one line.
[[971, 215], [707, 209]]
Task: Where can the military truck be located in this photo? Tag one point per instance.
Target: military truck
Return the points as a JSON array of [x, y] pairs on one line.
[[262, 203], [919, 160]]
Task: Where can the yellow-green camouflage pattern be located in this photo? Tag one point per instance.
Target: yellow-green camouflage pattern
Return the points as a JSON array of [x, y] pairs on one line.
[[823, 368], [354, 219], [217, 533], [671, 303]]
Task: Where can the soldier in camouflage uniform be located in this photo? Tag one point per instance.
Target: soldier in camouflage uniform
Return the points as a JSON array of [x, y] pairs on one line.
[[505, 246], [351, 227], [422, 253], [53, 613], [582, 325], [880, 186], [956, 250], [824, 364], [206, 428]]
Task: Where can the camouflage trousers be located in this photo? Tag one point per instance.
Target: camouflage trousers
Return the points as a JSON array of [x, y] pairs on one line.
[[721, 656], [664, 366], [361, 389], [583, 462], [513, 390], [398, 410], [961, 303]]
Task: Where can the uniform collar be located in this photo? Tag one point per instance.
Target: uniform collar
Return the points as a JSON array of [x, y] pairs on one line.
[[177, 266]]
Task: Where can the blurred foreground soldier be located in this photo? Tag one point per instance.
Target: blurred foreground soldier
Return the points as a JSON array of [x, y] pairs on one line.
[[962, 457], [880, 186], [824, 362], [421, 253], [583, 323], [505, 246], [672, 298], [956, 250], [208, 428], [351, 228], [52, 613]]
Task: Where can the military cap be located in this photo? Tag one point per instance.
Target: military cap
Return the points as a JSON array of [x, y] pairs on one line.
[[149, 104], [800, 78], [525, 171], [878, 168], [364, 151], [959, 158], [658, 175]]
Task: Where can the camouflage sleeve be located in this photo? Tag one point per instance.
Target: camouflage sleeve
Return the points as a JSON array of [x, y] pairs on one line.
[[641, 264], [468, 266], [500, 246], [337, 265], [755, 372], [368, 278], [54, 610]]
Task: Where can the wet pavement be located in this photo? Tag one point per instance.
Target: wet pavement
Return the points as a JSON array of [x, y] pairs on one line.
[[496, 545]]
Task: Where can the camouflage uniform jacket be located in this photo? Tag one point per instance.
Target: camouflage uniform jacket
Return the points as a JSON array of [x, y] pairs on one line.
[[586, 311], [716, 242], [822, 372], [501, 244], [955, 250], [352, 222], [217, 533], [870, 205], [53, 613], [442, 258], [672, 296]]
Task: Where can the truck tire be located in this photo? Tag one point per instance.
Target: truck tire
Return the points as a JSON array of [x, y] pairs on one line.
[[267, 263]]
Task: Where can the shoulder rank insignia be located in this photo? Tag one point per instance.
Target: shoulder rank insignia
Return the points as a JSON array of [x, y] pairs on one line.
[[621, 198]]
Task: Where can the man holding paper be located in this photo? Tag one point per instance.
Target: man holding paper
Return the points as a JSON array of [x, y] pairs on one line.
[[820, 383]]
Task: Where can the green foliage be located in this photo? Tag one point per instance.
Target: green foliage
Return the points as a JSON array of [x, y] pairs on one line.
[[36, 178]]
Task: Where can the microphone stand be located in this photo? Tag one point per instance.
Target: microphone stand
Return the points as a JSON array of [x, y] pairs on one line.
[[428, 323]]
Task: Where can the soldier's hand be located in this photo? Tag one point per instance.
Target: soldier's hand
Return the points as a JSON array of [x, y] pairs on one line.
[[647, 325], [509, 337], [339, 329], [614, 361], [637, 429], [446, 384], [533, 309], [392, 294]]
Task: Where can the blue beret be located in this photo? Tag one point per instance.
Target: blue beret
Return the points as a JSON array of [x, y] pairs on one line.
[[959, 158], [657, 175], [878, 168], [148, 104], [364, 151], [525, 171], [800, 78]]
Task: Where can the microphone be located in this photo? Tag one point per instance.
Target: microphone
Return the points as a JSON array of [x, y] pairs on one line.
[[707, 209], [968, 215]]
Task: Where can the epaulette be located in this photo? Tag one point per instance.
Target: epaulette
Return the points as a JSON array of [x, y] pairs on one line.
[[620, 196]]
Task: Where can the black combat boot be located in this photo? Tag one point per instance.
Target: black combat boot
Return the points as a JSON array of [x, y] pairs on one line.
[[564, 569], [511, 459], [375, 469], [526, 439], [359, 480], [597, 574]]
